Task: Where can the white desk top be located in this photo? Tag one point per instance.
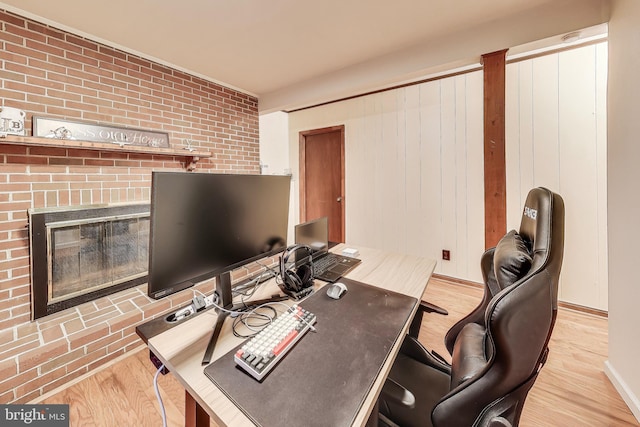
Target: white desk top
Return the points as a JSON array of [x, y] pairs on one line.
[[181, 348]]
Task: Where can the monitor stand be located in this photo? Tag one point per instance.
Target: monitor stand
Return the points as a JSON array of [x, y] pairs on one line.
[[225, 300]]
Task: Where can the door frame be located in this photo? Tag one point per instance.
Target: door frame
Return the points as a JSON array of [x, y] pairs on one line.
[[302, 166]]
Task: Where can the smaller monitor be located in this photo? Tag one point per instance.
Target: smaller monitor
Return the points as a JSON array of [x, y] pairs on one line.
[[314, 234]]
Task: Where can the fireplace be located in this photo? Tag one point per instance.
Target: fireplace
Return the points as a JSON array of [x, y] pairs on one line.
[[85, 253]]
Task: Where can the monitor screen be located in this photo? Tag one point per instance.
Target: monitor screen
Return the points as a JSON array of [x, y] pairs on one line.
[[314, 234], [203, 225]]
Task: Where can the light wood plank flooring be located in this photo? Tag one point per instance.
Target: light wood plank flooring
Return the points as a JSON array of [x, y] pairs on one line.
[[572, 389]]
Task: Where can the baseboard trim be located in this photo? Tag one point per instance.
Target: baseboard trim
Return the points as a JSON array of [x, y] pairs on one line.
[[583, 309], [457, 281], [620, 385], [563, 304]]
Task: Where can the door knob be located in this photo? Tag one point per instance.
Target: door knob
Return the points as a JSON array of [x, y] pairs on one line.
[[339, 199]]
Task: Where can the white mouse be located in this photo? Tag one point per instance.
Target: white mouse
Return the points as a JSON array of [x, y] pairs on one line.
[[336, 290]]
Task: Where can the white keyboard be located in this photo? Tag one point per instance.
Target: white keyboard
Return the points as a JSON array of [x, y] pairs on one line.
[[262, 353]]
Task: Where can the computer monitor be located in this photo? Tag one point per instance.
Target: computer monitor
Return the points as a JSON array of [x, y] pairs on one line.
[[205, 225], [314, 234]]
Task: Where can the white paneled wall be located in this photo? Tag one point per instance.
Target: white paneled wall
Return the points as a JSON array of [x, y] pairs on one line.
[[556, 138], [414, 164], [414, 169]]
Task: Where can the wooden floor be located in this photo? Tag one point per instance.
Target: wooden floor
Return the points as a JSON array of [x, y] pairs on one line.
[[572, 389]]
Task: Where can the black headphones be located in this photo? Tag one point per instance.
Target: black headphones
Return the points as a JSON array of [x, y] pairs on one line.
[[296, 279]]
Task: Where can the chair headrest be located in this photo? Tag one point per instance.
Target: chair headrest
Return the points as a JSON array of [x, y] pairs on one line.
[[542, 227]]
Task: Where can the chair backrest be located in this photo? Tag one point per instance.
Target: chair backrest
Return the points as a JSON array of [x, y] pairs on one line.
[[507, 335]]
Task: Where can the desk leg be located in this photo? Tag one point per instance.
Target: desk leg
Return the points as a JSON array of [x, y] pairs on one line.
[[194, 415]]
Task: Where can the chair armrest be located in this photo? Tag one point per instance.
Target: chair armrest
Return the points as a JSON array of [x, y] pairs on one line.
[[412, 348], [428, 307], [394, 392], [424, 307]]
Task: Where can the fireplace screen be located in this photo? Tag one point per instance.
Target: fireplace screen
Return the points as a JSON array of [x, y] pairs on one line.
[[89, 255], [84, 254]]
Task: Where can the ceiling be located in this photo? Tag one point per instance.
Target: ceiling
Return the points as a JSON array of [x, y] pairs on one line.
[[265, 48]]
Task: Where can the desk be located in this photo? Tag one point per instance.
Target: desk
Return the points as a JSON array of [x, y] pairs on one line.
[[181, 348]]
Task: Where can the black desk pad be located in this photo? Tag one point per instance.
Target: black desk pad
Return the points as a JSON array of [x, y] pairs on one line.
[[325, 377]]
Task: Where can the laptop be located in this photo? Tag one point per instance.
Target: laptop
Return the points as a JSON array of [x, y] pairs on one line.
[[327, 266]]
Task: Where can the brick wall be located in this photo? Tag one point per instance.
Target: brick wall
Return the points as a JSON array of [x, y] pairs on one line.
[[48, 72]]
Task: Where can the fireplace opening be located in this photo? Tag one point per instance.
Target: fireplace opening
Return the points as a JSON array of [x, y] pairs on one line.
[[85, 253]]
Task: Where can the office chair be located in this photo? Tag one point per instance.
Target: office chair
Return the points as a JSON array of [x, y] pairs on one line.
[[499, 348]]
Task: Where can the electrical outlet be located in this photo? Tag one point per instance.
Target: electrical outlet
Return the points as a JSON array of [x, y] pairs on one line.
[[199, 303], [446, 255], [157, 363]]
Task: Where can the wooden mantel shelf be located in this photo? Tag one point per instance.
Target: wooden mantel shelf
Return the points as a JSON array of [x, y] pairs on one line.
[[191, 156]]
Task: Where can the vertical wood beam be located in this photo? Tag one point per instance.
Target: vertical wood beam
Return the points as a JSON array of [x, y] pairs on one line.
[[495, 177]]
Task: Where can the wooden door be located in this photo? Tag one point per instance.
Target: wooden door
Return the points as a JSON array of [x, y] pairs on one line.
[[322, 178]]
